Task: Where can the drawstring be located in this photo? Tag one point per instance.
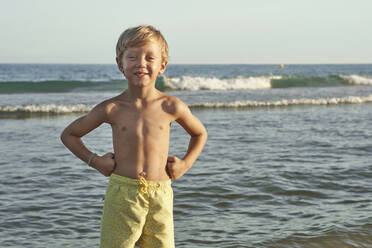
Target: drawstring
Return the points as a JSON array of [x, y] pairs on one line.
[[143, 182], [144, 185]]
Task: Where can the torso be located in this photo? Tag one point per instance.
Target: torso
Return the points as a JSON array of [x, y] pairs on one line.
[[140, 134]]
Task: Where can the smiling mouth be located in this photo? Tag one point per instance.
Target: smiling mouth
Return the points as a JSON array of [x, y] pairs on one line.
[[140, 74]]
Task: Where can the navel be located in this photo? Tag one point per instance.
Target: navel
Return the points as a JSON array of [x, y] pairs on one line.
[[123, 129]]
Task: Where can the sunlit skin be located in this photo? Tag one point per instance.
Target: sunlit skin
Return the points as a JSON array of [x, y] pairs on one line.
[[142, 65], [140, 118]]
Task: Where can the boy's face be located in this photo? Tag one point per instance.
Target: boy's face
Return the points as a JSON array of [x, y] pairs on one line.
[[141, 65]]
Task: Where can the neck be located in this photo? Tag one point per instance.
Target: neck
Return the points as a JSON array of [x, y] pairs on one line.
[[142, 93]]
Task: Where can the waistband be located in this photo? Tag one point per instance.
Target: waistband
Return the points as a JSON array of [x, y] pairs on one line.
[[117, 179]]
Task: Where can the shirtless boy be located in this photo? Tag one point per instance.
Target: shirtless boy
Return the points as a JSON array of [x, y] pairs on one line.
[[138, 207]]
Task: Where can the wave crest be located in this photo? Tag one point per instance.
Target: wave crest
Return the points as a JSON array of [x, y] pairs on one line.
[[53, 109], [261, 82], [356, 79], [46, 108], [285, 102], [203, 83], [164, 83]]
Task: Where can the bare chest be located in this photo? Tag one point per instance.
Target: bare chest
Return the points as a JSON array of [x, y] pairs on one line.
[[137, 123]]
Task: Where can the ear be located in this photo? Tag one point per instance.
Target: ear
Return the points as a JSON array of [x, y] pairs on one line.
[[119, 63], [163, 66]]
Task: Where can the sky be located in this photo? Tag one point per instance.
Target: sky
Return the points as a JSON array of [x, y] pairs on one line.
[[197, 31]]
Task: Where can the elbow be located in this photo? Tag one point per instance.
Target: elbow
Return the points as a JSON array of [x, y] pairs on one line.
[[200, 136], [205, 134], [68, 136], [64, 137]]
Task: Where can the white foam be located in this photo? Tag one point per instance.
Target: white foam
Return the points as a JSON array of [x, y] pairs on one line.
[[205, 83], [285, 102], [81, 108], [47, 108], [356, 79]]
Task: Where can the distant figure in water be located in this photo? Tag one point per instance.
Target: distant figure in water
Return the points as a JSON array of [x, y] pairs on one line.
[[281, 66]]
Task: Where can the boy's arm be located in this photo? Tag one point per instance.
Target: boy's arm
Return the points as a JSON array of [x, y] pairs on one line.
[[71, 138], [198, 136]]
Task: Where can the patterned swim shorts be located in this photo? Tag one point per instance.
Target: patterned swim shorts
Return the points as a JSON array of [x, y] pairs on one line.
[[137, 212]]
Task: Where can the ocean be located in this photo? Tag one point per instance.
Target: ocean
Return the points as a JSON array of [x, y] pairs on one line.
[[288, 161]]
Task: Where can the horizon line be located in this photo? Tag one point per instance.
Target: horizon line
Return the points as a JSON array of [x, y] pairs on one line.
[[76, 63]]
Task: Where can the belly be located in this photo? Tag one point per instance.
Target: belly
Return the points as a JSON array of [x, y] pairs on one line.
[[139, 155]]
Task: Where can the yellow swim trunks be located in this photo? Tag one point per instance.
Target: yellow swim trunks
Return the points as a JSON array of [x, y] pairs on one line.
[[137, 212]]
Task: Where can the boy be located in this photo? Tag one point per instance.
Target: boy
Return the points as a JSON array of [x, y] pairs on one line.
[[138, 207]]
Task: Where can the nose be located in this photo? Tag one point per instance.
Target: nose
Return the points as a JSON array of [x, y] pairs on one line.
[[141, 62]]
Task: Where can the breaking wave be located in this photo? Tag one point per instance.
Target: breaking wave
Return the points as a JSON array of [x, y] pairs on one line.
[[54, 109], [262, 82], [285, 102], [45, 108], [356, 79], [189, 83], [202, 83]]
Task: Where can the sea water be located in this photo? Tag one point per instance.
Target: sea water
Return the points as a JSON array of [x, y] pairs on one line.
[[287, 162]]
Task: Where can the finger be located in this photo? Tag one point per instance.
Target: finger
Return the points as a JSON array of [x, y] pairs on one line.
[[113, 167], [111, 171], [171, 158], [168, 172]]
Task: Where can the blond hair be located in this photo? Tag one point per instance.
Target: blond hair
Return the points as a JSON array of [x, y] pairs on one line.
[[140, 35]]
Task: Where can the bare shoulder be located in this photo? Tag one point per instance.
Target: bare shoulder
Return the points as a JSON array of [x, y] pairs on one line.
[[174, 106], [115, 103], [106, 108], [103, 107], [183, 116], [109, 105]]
